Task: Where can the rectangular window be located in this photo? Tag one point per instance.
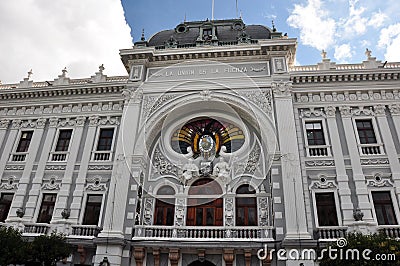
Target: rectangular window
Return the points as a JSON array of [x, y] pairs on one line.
[[47, 208], [24, 141], [366, 132], [92, 210], [164, 212], [384, 208], [315, 133], [207, 34], [5, 204], [64, 138], [105, 139], [326, 209]]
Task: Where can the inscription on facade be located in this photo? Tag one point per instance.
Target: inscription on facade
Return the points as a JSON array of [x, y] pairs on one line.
[[209, 71]]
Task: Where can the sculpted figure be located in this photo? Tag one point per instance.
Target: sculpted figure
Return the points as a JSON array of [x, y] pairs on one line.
[[221, 169], [190, 170]]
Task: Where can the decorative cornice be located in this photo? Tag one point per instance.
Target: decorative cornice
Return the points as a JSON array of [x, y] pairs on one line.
[[341, 76]]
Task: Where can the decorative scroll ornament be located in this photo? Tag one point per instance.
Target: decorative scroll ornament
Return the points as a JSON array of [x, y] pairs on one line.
[[361, 111], [261, 98], [95, 184], [4, 123], [330, 111], [148, 211], [380, 110], [395, 109], [323, 183], [263, 210], [229, 212], [312, 112], [134, 95], [153, 103], [51, 183], [180, 212], [9, 183], [281, 88], [379, 180], [162, 165]]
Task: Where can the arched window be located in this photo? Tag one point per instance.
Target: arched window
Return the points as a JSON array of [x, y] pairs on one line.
[[165, 206], [246, 206], [205, 204]]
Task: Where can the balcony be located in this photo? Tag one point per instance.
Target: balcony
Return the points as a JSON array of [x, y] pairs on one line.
[[330, 233], [206, 233], [18, 157], [36, 229], [370, 149], [318, 151], [58, 156], [391, 231], [85, 231], [101, 156]]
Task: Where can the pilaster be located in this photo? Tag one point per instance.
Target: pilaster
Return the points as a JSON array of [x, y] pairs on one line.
[[62, 198], [33, 150], [9, 144], [358, 176], [296, 223], [4, 123], [341, 175], [37, 180]]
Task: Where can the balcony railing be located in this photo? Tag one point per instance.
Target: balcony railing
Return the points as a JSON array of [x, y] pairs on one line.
[[370, 149], [204, 232], [18, 157], [101, 156], [328, 233], [392, 231], [85, 230], [318, 150], [36, 228], [59, 156]]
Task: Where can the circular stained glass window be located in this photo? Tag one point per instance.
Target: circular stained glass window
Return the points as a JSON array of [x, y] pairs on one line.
[[207, 134]]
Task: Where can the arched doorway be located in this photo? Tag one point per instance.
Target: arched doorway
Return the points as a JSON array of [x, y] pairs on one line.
[[205, 206], [199, 263]]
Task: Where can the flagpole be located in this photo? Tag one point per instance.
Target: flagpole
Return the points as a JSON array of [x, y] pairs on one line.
[[237, 14], [212, 11]]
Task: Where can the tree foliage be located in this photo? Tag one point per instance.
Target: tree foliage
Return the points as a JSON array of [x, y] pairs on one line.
[[383, 251], [43, 250]]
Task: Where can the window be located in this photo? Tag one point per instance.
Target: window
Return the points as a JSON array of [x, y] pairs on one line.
[[92, 210], [47, 208], [105, 139], [5, 204], [246, 206], [326, 209], [207, 34], [165, 206], [366, 132], [64, 138], [24, 141], [384, 208], [315, 133]]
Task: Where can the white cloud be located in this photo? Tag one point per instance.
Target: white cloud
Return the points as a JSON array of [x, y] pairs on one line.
[[390, 40], [377, 20], [48, 35], [343, 52], [317, 29]]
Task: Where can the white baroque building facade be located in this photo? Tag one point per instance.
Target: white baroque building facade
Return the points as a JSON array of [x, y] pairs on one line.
[[212, 148]]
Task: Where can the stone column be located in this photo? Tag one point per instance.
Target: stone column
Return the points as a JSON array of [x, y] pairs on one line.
[[341, 175], [358, 176], [295, 212], [33, 150], [229, 257], [76, 206], [34, 192], [65, 190], [390, 149]]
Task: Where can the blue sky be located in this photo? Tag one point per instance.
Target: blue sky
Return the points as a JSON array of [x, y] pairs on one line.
[[47, 35], [344, 28]]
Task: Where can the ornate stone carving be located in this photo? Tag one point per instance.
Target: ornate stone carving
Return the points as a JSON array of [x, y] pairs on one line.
[[9, 183], [222, 169], [281, 88], [361, 111], [229, 212], [312, 112], [261, 98], [16, 124], [148, 211], [93, 120], [317, 163], [96, 184], [51, 183], [345, 111], [379, 180], [162, 165], [263, 210], [134, 95], [180, 212], [380, 110], [253, 160], [358, 214], [40, 123], [53, 121], [80, 121], [152, 103], [323, 183], [4, 123], [55, 167], [374, 161], [206, 95], [14, 167], [330, 111], [395, 109]]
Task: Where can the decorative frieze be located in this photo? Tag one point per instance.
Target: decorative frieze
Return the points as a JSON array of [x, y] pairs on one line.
[[319, 163], [96, 183], [323, 182], [148, 211], [51, 183], [330, 111], [229, 212], [162, 165], [4, 123], [263, 211], [261, 98], [375, 161], [9, 183], [153, 103], [55, 167], [379, 180], [395, 109], [312, 112], [380, 110]]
